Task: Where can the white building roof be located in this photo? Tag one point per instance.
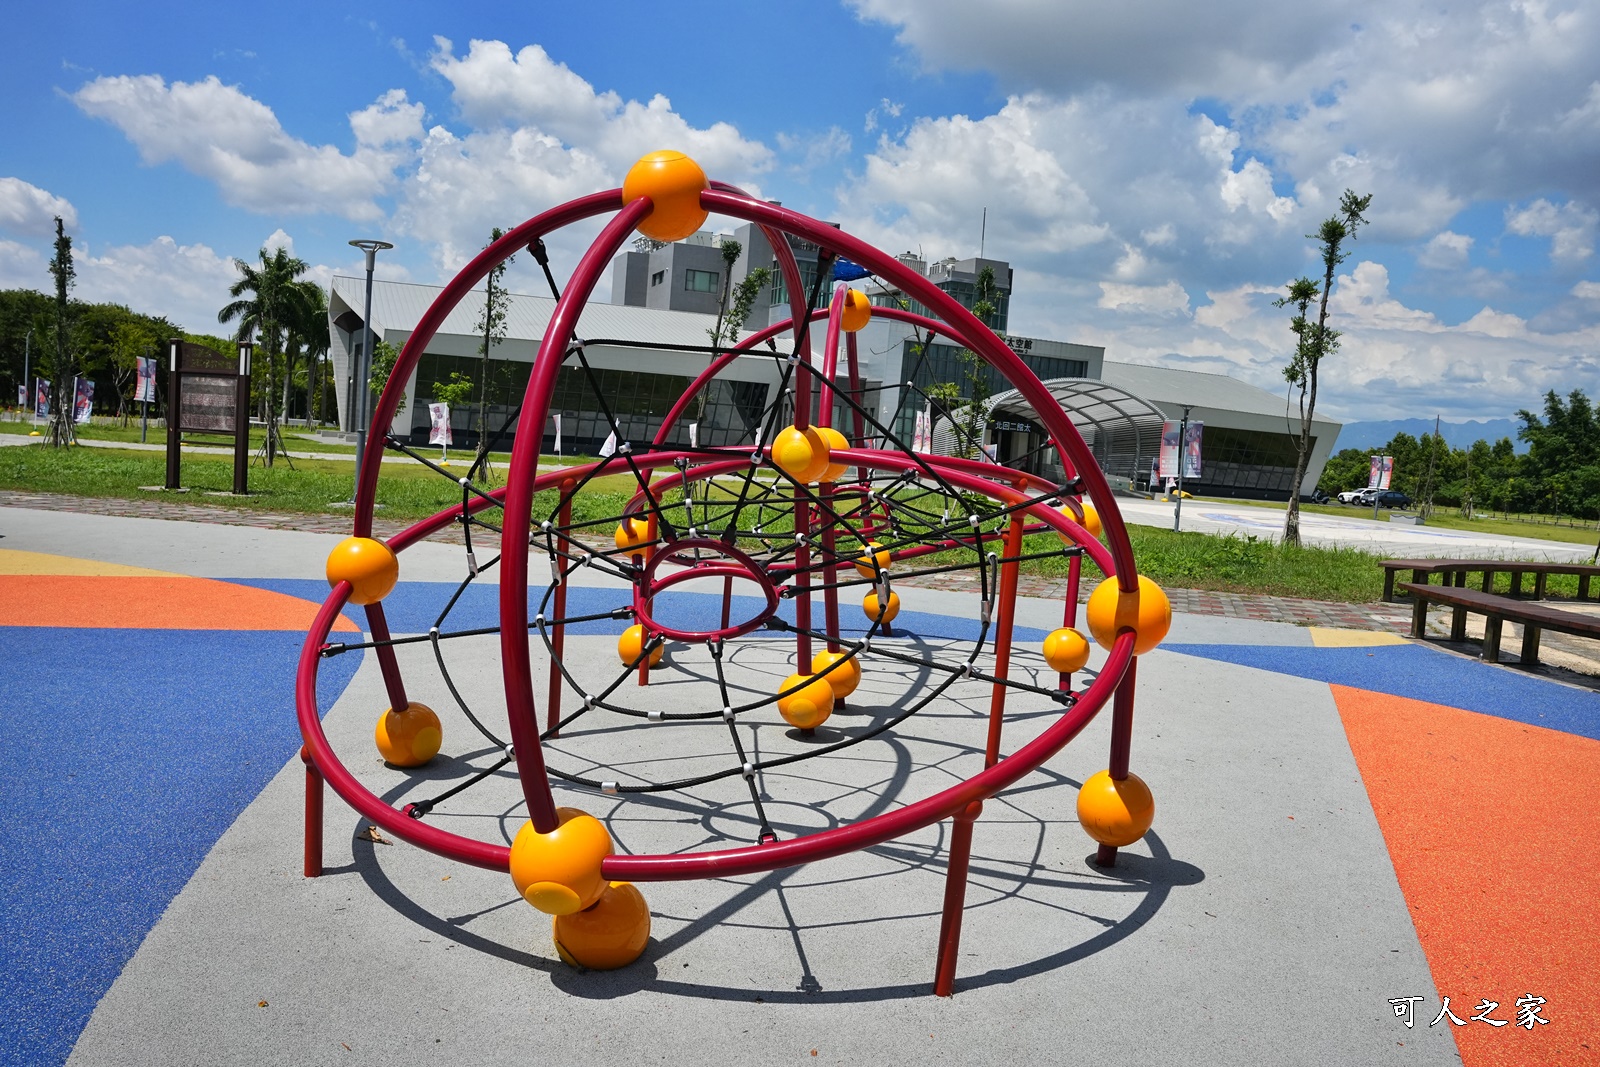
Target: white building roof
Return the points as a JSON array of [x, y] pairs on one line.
[[1173, 388], [401, 305]]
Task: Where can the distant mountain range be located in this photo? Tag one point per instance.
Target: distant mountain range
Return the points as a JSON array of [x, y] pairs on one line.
[[1366, 435]]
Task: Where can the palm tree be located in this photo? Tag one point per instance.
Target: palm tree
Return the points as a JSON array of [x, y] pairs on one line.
[[275, 303], [310, 338]]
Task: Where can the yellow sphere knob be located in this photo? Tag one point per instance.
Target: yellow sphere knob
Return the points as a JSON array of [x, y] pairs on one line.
[[857, 311], [875, 551], [809, 705], [633, 536], [610, 933], [835, 441], [1115, 813], [801, 454], [368, 565], [1148, 613], [889, 610], [845, 677], [559, 872], [1066, 650], [630, 646], [408, 738], [673, 182], [1091, 519]]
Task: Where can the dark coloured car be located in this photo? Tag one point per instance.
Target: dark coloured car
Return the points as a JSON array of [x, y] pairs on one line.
[[1393, 498]]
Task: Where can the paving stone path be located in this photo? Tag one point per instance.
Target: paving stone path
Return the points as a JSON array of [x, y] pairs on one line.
[[1389, 617]]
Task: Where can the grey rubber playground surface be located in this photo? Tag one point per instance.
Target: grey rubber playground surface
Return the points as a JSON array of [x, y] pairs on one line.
[[1232, 934]]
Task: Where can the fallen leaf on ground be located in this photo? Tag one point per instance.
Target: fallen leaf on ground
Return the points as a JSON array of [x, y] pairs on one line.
[[371, 834]]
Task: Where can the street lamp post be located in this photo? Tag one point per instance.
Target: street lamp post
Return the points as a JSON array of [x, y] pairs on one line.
[[1183, 456], [363, 369], [27, 384]]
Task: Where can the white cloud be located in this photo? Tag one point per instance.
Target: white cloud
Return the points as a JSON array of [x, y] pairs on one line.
[[816, 150], [1163, 234], [22, 267], [29, 211], [1446, 251], [221, 134], [1430, 108], [1251, 187], [1162, 45], [187, 284], [944, 172], [531, 91], [1168, 299], [464, 186], [279, 239], [1587, 290], [1570, 226], [1393, 360]]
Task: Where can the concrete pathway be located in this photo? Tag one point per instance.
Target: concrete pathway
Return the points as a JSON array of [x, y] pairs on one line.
[[1322, 852], [1337, 531]]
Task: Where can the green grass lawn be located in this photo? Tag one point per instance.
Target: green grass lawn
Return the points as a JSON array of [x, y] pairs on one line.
[[405, 491], [410, 492]]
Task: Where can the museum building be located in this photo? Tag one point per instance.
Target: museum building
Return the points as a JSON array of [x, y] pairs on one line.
[[642, 350]]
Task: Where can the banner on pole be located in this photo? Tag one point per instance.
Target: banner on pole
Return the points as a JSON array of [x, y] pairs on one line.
[[1379, 473], [41, 398], [83, 400], [1189, 448], [610, 447], [145, 392], [558, 433], [439, 425], [22, 394]]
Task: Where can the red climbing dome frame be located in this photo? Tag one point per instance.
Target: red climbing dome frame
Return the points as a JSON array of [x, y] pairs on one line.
[[1029, 495]]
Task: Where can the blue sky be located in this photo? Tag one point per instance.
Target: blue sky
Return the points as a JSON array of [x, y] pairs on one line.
[[1149, 168]]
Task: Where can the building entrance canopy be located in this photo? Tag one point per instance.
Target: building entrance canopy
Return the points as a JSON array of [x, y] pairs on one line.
[[1123, 430]]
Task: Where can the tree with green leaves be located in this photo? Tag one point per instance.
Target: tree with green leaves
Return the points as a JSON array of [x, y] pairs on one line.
[[63, 372], [275, 302], [309, 337], [384, 357], [1314, 341], [131, 340], [492, 324]]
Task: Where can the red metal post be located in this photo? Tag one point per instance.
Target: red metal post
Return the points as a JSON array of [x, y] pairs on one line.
[[1069, 611], [378, 625], [313, 852], [1006, 601], [955, 892], [955, 878]]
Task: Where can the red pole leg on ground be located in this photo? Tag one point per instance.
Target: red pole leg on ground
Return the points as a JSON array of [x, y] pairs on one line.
[[955, 879], [1121, 742], [955, 895], [313, 856]]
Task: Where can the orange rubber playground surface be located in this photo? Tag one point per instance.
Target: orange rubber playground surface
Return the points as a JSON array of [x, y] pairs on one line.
[[1494, 828], [1483, 782]]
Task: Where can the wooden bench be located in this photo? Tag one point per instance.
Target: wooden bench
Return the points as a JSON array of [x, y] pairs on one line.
[[1455, 572], [1496, 610]]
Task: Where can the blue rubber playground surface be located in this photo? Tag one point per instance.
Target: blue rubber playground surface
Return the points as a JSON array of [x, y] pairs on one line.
[[135, 748]]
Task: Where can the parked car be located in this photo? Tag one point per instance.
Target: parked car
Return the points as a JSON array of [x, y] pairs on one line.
[[1349, 496], [1392, 498]]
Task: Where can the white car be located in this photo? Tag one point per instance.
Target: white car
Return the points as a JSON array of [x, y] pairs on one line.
[[1349, 496]]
